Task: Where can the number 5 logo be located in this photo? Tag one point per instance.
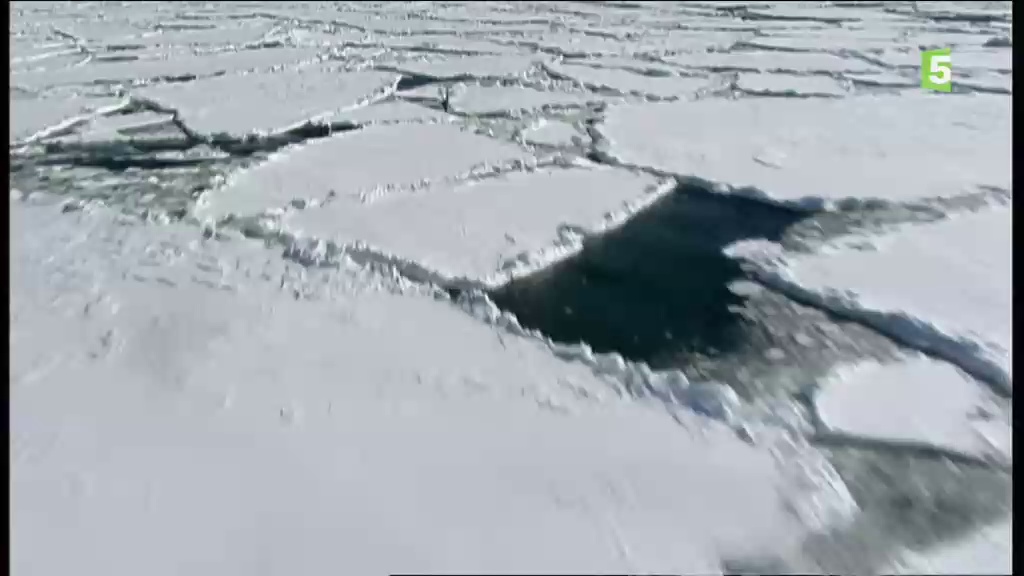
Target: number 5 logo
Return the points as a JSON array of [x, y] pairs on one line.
[[937, 70]]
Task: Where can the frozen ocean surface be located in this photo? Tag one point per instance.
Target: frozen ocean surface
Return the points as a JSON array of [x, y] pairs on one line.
[[564, 287]]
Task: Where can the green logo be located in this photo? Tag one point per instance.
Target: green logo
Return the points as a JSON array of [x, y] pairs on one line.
[[937, 70]]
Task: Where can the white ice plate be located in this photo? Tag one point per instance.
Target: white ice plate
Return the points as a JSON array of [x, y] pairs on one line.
[[771, 61], [27, 53], [173, 65], [947, 285], [267, 102], [379, 22], [29, 116], [627, 82], [447, 43], [919, 401], [992, 59], [357, 164], [74, 28], [626, 63], [221, 33], [884, 79], [394, 111], [478, 230], [964, 39], [904, 147], [553, 133], [469, 66], [788, 85], [141, 124], [830, 39], [986, 81], [957, 10], [339, 37], [671, 41], [567, 43], [508, 100], [823, 14]]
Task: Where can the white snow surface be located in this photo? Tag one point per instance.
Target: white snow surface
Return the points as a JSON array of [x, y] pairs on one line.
[[175, 65], [31, 116], [953, 278], [477, 230], [992, 59], [163, 33], [113, 128], [885, 79], [476, 66], [794, 62], [366, 162], [889, 147], [567, 43], [829, 39], [393, 111], [501, 100], [162, 393], [445, 43], [553, 133], [987, 81], [267, 103], [919, 401], [788, 85], [627, 82]]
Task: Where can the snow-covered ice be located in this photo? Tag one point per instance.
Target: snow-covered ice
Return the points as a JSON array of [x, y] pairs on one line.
[[918, 401], [31, 116], [267, 103], [553, 133], [457, 45], [788, 85], [393, 111], [824, 14], [564, 43], [829, 39], [627, 82], [456, 67], [359, 163], [177, 65], [793, 62], [106, 129], [905, 147], [992, 59], [987, 81], [947, 285], [499, 100], [123, 35], [476, 230], [884, 79]]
